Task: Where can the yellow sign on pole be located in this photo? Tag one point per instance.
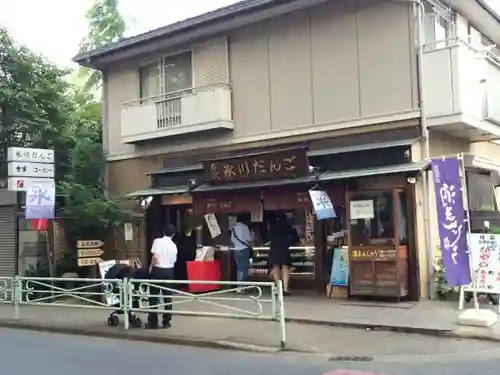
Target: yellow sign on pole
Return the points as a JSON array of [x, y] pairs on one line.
[[87, 262], [85, 253]]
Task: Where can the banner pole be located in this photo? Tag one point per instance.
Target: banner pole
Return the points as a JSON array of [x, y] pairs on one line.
[[465, 199]]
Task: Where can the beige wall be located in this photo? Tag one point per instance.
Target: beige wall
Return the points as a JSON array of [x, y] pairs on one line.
[[444, 145], [487, 150], [320, 69], [127, 176]]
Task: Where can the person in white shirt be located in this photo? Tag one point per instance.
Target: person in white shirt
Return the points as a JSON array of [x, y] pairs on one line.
[[164, 256], [241, 239]]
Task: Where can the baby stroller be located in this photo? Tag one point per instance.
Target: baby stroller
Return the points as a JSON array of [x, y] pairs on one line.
[[123, 271]]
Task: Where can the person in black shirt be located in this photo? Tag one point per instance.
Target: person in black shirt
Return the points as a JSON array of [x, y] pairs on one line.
[[282, 236]]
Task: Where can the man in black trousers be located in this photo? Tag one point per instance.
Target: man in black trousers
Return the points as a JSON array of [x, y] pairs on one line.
[[164, 256]]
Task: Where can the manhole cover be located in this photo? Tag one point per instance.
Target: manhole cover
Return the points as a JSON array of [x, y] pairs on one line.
[[350, 358]]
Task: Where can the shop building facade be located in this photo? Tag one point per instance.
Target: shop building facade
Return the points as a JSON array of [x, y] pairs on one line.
[[336, 85]]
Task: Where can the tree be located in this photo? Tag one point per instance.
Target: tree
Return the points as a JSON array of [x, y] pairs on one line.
[[106, 25], [38, 108], [87, 210], [34, 107]]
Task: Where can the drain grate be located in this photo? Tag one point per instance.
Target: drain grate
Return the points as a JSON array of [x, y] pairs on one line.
[[350, 358]]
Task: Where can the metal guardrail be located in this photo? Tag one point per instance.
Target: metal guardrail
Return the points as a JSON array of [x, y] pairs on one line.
[[245, 300]]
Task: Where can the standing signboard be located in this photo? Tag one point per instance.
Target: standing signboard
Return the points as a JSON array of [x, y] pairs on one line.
[[485, 262], [340, 267]]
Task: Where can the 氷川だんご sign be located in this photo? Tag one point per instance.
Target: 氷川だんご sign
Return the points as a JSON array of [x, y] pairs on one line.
[[279, 164], [30, 155], [452, 222]]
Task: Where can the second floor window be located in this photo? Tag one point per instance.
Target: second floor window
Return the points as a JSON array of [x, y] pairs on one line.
[[170, 75], [438, 26]]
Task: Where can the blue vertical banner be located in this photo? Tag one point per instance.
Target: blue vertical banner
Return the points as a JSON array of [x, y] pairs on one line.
[[340, 267], [452, 220]]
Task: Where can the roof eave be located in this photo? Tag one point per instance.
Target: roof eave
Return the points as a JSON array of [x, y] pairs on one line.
[[85, 58], [207, 25]]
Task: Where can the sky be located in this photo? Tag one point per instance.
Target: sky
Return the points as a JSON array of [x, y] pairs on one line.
[[54, 28]]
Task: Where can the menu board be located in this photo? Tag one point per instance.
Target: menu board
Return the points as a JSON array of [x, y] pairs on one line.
[[485, 260]]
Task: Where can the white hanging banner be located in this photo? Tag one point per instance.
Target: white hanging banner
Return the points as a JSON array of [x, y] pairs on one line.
[[323, 207]]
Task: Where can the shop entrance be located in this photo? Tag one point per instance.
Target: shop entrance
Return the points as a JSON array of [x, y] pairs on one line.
[[181, 217]]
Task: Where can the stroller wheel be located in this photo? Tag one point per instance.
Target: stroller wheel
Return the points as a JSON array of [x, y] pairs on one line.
[[113, 320]]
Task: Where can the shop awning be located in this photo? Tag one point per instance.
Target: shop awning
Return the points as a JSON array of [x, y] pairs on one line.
[[178, 189], [366, 172], [187, 168], [254, 184], [361, 147]]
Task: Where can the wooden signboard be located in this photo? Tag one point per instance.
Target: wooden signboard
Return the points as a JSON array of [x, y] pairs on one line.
[[272, 165], [89, 252]]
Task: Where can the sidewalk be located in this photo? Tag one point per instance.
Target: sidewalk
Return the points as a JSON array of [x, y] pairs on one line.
[[242, 334], [315, 325]]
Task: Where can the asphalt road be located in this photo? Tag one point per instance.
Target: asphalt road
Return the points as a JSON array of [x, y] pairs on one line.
[[26, 353]]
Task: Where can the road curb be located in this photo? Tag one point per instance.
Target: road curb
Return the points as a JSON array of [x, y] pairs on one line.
[[172, 340], [472, 336], [375, 327]]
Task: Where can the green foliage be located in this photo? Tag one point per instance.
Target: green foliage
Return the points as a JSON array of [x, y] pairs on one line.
[[39, 108], [34, 107], [106, 25]]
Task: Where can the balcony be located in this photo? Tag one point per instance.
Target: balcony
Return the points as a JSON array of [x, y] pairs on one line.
[[192, 111], [461, 88]]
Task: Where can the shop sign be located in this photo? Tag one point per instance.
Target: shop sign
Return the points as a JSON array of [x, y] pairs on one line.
[[374, 253], [272, 165]]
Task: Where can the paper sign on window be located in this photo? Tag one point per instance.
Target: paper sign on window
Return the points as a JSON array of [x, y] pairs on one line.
[[361, 210], [213, 225]]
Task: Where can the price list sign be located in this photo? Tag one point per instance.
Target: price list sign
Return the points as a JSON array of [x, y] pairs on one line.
[[485, 262]]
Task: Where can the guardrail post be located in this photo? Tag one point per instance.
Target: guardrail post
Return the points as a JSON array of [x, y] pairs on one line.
[[281, 314], [16, 287], [124, 299], [275, 302]]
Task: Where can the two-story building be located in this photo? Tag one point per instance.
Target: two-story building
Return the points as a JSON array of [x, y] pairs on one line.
[[248, 107]]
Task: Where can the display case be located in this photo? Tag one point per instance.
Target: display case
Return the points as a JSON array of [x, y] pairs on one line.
[[378, 246], [302, 262]]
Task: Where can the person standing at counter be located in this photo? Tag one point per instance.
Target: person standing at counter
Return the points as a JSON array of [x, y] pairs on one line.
[[241, 239], [283, 235]]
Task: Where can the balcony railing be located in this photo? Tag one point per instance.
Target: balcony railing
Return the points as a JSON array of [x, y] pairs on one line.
[[461, 80], [178, 113]]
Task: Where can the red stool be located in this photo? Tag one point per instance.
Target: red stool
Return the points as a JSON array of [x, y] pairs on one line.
[[203, 271]]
